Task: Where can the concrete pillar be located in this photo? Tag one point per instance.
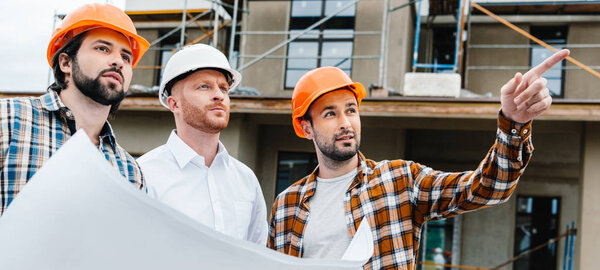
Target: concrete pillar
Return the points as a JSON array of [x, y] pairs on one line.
[[589, 226]]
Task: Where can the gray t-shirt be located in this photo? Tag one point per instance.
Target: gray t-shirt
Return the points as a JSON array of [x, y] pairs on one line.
[[326, 235]]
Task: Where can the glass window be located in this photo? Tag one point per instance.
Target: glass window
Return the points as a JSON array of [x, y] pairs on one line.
[[333, 6], [554, 75], [342, 50], [293, 166], [305, 54], [536, 223], [330, 44], [440, 243], [556, 36], [309, 8]]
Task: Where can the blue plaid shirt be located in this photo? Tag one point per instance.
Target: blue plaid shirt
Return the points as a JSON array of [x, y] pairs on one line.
[[32, 129]]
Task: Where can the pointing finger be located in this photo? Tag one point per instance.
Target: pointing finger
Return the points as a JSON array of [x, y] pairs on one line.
[[538, 70]]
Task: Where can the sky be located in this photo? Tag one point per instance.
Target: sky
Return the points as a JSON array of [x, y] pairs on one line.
[[25, 30]]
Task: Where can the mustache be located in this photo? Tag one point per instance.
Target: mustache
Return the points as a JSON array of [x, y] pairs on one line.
[[344, 133], [216, 104], [113, 69]]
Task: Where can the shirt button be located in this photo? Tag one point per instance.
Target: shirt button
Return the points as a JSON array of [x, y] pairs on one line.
[[519, 159], [513, 131], [525, 131]]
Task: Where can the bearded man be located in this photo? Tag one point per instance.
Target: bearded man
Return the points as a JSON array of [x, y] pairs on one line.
[[92, 55], [317, 216], [192, 172]]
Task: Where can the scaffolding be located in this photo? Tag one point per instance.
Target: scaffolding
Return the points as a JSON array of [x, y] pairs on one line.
[[187, 19], [461, 10]]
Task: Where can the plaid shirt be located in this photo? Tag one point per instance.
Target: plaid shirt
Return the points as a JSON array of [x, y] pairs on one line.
[[32, 129], [397, 197]]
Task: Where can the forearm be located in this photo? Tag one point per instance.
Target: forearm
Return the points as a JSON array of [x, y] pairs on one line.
[[440, 195]]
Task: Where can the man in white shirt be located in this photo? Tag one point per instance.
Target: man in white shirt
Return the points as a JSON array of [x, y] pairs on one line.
[[192, 172]]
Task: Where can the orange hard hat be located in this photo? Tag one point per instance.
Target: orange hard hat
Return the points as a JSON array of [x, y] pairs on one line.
[[92, 16], [314, 84]]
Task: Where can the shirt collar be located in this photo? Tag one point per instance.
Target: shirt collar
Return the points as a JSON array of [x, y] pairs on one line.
[[51, 101], [184, 154], [361, 177]]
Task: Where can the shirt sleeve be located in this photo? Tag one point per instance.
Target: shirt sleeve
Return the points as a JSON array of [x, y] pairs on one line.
[[258, 229], [439, 194], [271, 233], [5, 126]]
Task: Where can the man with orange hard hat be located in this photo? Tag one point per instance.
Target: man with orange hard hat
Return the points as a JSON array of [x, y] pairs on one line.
[[92, 56], [317, 216]]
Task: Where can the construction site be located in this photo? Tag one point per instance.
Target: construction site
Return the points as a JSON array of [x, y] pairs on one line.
[[434, 70]]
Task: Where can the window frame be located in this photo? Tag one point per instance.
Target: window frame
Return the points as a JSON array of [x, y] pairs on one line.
[[565, 30], [320, 39]]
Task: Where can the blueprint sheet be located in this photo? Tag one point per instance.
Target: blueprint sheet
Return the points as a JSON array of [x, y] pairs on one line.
[[78, 212]]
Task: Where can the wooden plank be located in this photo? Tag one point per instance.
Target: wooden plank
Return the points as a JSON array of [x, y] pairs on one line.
[[563, 110]]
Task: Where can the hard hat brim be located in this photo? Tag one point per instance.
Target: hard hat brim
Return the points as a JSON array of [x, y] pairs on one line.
[[236, 78], [139, 45]]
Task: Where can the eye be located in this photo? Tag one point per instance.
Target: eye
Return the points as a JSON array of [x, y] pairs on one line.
[[126, 58], [329, 114], [351, 110], [225, 89], [203, 86], [102, 48]]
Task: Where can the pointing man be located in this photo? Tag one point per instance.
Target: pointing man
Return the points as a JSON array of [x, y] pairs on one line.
[[193, 172], [92, 55], [317, 216]]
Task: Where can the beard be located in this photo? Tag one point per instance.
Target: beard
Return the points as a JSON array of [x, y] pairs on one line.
[[329, 149], [92, 87], [198, 118]]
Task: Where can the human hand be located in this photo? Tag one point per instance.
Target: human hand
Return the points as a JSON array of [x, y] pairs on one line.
[[526, 96]]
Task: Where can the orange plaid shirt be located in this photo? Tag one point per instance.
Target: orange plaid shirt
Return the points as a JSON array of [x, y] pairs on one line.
[[397, 197]]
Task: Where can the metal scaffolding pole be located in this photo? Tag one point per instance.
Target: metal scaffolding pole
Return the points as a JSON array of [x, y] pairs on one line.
[[299, 35], [417, 36], [233, 29], [216, 24], [177, 28], [50, 71], [183, 14], [383, 48]]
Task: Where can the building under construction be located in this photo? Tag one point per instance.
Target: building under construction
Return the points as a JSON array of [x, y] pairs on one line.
[[434, 70]]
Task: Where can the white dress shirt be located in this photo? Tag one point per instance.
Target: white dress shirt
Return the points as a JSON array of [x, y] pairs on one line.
[[225, 196]]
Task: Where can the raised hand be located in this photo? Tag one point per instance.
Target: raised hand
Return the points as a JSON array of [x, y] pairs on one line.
[[526, 96]]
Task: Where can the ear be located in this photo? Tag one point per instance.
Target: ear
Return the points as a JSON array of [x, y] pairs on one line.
[[65, 63], [173, 104], [307, 129]]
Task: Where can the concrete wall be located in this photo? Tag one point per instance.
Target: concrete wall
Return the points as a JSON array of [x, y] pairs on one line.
[[368, 18], [140, 132], [146, 77], [580, 84], [587, 246], [268, 74], [484, 81]]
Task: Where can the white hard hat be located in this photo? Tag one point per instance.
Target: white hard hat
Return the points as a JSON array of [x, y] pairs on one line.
[[193, 57]]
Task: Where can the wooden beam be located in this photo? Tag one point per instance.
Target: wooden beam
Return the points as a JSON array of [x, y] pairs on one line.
[[562, 110]]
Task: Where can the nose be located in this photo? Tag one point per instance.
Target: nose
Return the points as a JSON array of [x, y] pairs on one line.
[[344, 122], [117, 61], [218, 95]]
